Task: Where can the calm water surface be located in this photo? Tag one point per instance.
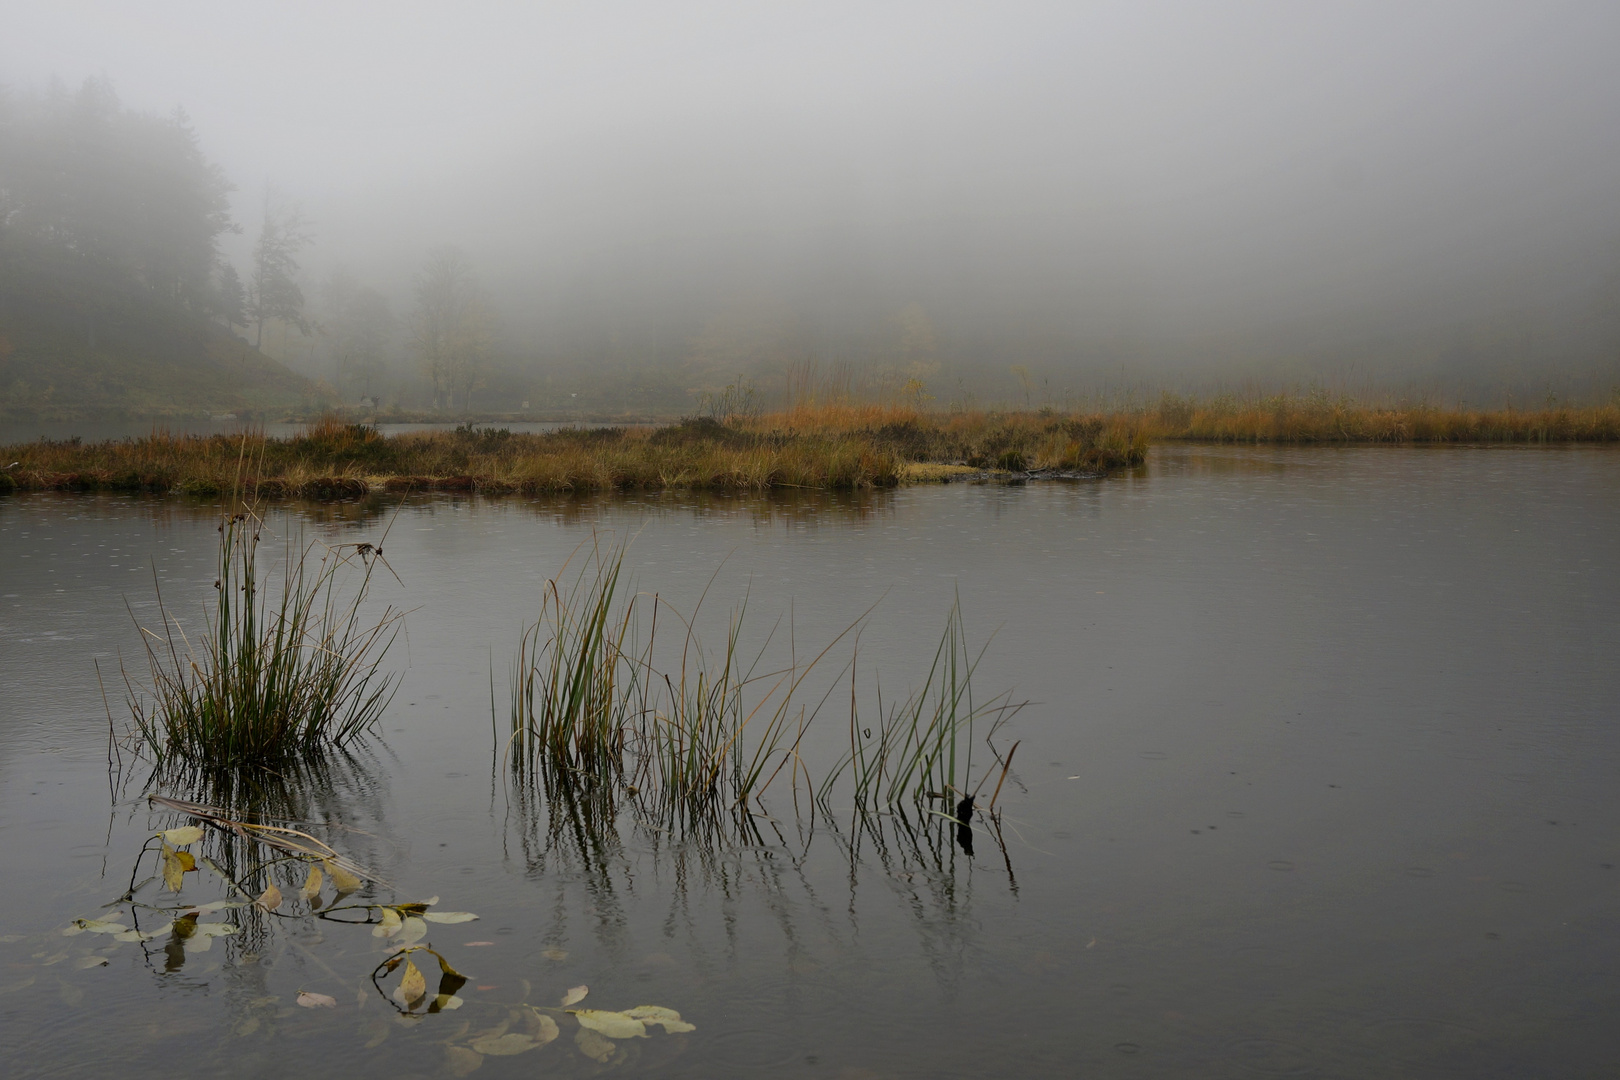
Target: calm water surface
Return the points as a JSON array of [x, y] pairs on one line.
[[1319, 780]]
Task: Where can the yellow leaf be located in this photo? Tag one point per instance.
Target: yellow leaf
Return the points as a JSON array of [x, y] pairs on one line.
[[615, 1025], [136, 935], [448, 916], [312, 885], [187, 863], [201, 939], [411, 985], [173, 869], [109, 925], [657, 1014], [316, 1001], [389, 926], [576, 993], [270, 899], [181, 837], [412, 930], [345, 881]]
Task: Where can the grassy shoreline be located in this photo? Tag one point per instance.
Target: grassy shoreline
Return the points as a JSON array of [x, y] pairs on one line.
[[829, 447], [832, 448], [1324, 418]]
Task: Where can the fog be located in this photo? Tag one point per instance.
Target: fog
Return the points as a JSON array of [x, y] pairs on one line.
[[1396, 196]]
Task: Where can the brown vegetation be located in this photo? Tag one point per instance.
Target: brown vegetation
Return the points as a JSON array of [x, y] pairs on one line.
[[831, 447], [1326, 418]]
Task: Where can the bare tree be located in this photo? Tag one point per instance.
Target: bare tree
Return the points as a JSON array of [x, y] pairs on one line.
[[273, 291], [358, 325], [452, 328]]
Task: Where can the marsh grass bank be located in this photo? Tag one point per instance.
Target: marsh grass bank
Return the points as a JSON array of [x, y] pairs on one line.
[[829, 448], [1329, 418]]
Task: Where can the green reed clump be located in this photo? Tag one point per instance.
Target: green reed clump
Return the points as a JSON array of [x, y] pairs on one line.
[[591, 710], [922, 748], [574, 688], [279, 672]]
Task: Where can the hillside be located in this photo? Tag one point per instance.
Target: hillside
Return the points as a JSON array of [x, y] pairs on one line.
[[135, 368]]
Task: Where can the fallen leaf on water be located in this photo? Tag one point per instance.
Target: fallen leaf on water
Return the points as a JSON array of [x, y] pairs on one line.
[[270, 899], [202, 939], [90, 962], [109, 925], [465, 944], [445, 1003], [345, 881], [216, 905], [174, 870], [316, 1001], [390, 924], [503, 1045], [542, 1028], [449, 916], [412, 930], [552, 954], [312, 885], [615, 1025], [575, 993], [461, 1061], [412, 986], [187, 863], [190, 834], [593, 1045], [137, 935], [657, 1014], [22, 984]]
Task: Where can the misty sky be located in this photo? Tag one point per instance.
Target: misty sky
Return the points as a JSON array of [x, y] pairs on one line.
[[1137, 168]]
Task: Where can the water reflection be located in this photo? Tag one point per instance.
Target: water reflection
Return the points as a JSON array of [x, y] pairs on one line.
[[339, 795], [620, 852]]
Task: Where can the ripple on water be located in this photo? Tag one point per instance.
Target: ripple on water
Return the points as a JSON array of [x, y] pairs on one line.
[[1270, 1056], [1419, 1039], [750, 1048]]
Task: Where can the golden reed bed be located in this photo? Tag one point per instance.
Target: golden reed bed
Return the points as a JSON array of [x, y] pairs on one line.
[[836, 447], [830, 447]]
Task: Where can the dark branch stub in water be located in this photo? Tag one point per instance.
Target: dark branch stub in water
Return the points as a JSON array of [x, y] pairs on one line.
[[964, 831]]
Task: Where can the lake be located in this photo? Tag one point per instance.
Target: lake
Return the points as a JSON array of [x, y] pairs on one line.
[[1317, 778]]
